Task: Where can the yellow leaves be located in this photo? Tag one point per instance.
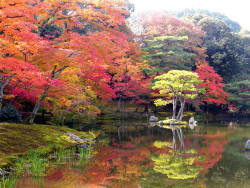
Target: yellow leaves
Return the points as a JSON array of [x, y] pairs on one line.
[[175, 167], [67, 102], [160, 144], [6, 97], [161, 102], [176, 82], [93, 109]]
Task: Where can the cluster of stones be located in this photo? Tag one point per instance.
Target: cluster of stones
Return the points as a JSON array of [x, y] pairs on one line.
[[192, 123], [75, 138]]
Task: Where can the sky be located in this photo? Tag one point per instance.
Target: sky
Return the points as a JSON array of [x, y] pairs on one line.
[[236, 10]]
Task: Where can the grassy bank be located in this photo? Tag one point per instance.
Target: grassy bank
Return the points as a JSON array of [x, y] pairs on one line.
[[17, 139]]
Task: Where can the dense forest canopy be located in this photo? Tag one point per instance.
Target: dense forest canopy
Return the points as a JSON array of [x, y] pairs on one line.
[[234, 26], [69, 58]]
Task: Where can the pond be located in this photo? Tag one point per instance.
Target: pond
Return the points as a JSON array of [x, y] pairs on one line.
[[136, 154]]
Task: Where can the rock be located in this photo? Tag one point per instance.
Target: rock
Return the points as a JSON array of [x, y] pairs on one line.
[[247, 146], [195, 123], [152, 124], [84, 146], [153, 118], [2, 173], [247, 154], [191, 126], [191, 120], [172, 123], [160, 123], [75, 138], [192, 123]]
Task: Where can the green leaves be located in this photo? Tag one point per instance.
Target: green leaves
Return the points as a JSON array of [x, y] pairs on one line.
[[240, 94], [167, 52]]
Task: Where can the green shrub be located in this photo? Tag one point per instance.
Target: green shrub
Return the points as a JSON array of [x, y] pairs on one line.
[[10, 114]]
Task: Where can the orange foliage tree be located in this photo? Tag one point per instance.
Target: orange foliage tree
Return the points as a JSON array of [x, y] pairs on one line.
[[77, 41]]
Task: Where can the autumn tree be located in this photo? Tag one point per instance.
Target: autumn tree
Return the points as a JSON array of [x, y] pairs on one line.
[[127, 79], [170, 43], [73, 44], [213, 84], [20, 81], [17, 42], [85, 43], [177, 85], [159, 24]]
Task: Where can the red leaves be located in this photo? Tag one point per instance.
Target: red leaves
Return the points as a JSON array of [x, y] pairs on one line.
[[212, 150], [131, 87], [98, 79], [32, 58], [212, 82], [25, 95]]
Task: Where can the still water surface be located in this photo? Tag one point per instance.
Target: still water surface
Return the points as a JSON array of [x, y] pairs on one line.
[[140, 155]]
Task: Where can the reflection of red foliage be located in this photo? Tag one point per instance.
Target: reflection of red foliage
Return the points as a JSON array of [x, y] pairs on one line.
[[122, 163], [213, 149], [55, 176]]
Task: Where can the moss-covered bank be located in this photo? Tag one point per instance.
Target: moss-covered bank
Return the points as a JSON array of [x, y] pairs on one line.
[[17, 139]]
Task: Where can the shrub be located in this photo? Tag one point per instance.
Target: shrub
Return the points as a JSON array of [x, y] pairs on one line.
[[10, 114]]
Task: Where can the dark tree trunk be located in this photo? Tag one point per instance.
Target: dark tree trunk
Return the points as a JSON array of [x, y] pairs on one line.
[[124, 106], [3, 85], [37, 106], [146, 108], [55, 73], [137, 107]]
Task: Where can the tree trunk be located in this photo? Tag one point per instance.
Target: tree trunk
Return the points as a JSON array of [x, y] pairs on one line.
[[182, 110], [174, 107], [37, 106], [180, 113], [1, 98], [119, 104], [146, 108], [55, 73], [124, 106], [2, 86], [137, 107]]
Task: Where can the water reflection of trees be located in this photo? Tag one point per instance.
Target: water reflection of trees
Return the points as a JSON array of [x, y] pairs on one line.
[[115, 165], [176, 167], [147, 160], [203, 152]]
